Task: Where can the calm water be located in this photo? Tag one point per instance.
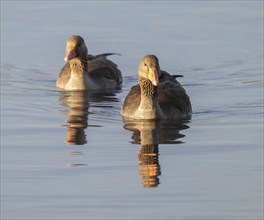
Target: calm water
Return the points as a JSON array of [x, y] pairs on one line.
[[70, 155]]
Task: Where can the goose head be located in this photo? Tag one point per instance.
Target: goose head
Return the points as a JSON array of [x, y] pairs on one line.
[[75, 48], [149, 69]]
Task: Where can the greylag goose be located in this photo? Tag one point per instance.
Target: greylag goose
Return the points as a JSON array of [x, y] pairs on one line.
[[157, 96], [87, 72]]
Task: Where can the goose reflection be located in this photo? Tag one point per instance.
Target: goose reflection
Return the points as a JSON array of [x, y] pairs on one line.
[[151, 133], [77, 111], [77, 105]]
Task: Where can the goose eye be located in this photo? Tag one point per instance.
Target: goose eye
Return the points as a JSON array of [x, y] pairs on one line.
[[145, 64]]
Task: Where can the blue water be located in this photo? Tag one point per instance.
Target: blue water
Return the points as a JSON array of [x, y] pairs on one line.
[[70, 156]]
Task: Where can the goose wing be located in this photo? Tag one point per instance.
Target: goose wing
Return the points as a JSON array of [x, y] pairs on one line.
[[102, 70], [64, 75], [173, 99], [132, 101]]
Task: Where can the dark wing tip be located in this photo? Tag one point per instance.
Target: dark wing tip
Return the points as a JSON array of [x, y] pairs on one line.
[[107, 54], [176, 76]]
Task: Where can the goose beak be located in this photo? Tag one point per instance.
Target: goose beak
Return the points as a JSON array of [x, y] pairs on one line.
[[70, 54], [153, 76]]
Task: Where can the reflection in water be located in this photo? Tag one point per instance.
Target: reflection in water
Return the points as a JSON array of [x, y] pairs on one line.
[[150, 134], [149, 167], [78, 103], [74, 165]]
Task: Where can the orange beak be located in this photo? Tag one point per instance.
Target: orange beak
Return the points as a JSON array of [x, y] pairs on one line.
[[153, 76], [70, 54]]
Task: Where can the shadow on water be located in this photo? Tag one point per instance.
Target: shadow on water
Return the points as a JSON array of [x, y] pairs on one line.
[[77, 108], [150, 134]]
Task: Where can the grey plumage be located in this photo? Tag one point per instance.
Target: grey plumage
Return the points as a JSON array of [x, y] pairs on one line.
[[167, 100], [84, 71]]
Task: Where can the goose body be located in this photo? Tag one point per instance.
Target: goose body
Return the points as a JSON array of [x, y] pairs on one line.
[[87, 72], [157, 96]]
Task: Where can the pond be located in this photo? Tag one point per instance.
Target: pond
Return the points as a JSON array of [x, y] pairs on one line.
[[69, 155]]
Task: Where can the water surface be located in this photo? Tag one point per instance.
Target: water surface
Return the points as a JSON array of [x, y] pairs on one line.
[[67, 155]]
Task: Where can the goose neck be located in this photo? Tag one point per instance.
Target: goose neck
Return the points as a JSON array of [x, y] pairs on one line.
[[78, 65], [148, 90]]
